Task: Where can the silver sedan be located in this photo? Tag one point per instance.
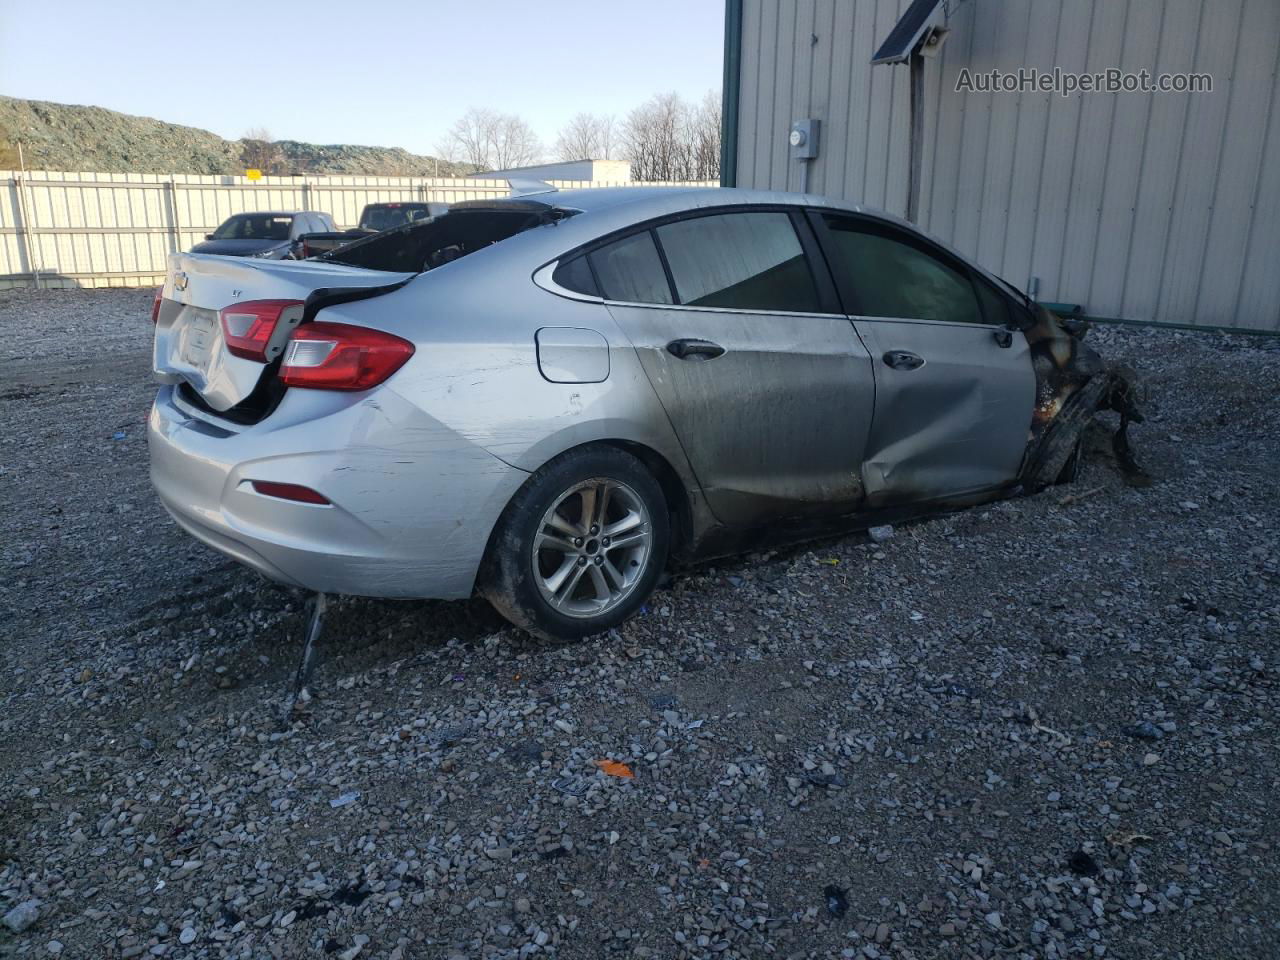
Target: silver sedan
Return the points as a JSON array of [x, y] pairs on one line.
[[549, 399]]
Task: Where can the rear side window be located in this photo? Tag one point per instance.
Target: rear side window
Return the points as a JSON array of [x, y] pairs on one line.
[[631, 270], [576, 275], [742, 261], [891, 275]]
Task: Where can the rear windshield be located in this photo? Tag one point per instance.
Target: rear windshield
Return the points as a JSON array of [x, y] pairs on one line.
[[255, 226], [428, 244], [384, 218]]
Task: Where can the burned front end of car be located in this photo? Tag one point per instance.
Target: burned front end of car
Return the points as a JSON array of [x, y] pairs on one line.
[[1073, 382]]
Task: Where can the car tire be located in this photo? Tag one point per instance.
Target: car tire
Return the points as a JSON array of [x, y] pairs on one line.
[[1063, 436], [560, 568]]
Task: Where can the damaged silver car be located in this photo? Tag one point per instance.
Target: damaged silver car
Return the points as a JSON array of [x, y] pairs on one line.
[[549, 399]]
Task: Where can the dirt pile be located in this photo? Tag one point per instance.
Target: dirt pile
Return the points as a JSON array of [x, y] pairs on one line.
[[57, 136]]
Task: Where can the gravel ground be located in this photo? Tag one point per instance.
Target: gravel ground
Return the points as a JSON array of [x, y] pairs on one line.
[[1043, 728]]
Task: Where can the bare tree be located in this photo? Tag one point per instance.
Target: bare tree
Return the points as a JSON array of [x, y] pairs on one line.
[[704, 135], [259, 151], [468, 139], [487, 140], [514, 143], [655, 136], [669, 139], [587, 137]]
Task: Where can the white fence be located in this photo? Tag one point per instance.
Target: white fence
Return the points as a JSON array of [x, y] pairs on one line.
[[117, 229]]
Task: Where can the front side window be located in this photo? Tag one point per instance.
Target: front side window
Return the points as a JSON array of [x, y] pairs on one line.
[[631, 270], [742, 261], [891, 275], [995, 305]]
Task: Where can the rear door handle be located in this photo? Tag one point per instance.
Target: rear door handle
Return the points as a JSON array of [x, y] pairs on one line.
[[694, 349], [902, 360]]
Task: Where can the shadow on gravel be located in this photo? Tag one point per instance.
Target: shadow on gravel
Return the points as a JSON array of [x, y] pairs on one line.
[[362, 634]]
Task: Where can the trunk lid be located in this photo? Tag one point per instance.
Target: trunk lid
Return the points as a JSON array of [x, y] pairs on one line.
[[190, 345]]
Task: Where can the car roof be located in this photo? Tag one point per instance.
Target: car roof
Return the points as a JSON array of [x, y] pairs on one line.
[[618, 207], [642, 202], [273, 213], [599, 198]]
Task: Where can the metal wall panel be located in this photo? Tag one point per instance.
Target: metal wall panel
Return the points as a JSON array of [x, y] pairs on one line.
[[945, 118], [971, 147], [1259, 291], [808, 59], [822, 68], [998, 151], [786, 91], [1156, 207], [1161, 156], [1124, 171], [1242, 245], [97, 229], [834, 108], [1062, 137], [759, 25], [1199, 168]]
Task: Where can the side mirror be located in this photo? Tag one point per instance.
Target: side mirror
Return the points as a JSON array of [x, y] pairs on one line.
[[208, 236]]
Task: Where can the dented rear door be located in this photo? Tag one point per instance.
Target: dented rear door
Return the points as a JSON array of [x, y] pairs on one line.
[[954, 392], [769, 394]]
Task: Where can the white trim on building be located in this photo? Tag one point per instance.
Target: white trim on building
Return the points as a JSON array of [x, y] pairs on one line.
[[614, 171]]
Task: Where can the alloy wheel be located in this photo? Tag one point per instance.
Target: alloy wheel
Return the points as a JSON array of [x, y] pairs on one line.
[[592, 547]]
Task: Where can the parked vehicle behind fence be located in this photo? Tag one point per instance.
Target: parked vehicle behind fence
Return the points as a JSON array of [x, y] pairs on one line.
[[374, 218], [267, 235], [549, 399]]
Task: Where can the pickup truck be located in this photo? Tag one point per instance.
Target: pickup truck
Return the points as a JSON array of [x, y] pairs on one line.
[[374, 218]]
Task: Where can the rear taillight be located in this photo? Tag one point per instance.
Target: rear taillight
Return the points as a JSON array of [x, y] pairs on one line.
[[155, 306], [247, 327], [337, 356], [289, 491]]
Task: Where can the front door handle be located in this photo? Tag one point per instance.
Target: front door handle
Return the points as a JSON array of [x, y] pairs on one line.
[[694, 349], [903, 360]]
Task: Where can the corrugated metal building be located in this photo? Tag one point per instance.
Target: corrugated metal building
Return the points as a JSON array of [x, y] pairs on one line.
[[1157, 207]]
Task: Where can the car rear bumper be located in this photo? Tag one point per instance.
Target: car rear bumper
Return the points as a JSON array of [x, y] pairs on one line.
[[412, 503]]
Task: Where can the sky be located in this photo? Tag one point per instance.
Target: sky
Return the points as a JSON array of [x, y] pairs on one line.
[[394, 73]]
